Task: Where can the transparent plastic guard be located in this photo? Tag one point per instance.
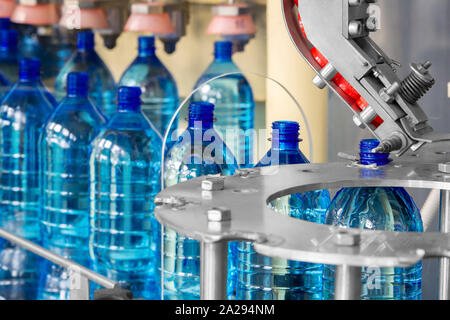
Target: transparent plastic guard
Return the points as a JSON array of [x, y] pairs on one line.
[[248, 75], [187, 100]]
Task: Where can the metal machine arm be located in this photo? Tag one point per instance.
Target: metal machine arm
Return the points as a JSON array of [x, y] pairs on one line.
[[367, 81]]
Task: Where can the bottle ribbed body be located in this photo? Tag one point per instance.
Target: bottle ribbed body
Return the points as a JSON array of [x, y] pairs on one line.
[[264, 278], [377, 208], [23, 113], [232, 97], [124, 179], [102, 87], [64, 163], [159, 89], [185, 160]]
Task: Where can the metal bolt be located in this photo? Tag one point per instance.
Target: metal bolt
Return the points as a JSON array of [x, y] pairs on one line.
[[444, 167], [387, 94], [219, 214], [346, 238], [244, 173], [213, 184], [372, 24]]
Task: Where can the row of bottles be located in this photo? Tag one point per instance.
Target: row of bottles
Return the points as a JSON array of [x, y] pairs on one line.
[[253, 276], [63, 188], [232, 94], [79, 177]]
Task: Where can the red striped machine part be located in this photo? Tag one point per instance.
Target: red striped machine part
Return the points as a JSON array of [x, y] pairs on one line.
[[357, 102]]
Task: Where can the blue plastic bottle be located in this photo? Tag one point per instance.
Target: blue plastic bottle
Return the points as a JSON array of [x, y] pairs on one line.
[[23, 113], [102, 88], [264, 278], [159, 89], [53, 49], [124, 179], [64, 162], [233, 100], [9, 55], [377, 208], [41, 86], [189, 158]]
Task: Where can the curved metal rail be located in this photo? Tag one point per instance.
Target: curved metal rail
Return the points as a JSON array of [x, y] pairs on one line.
[[186, 209]]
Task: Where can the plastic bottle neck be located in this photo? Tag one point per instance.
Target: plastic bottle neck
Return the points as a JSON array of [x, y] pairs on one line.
[[8, 40], [85, 41], [146, 51], [26, 77], [285, 136], [218, 58], [201, 116], [223, 51], [197, 124], [367, 157], [129, 107], [77, 95]]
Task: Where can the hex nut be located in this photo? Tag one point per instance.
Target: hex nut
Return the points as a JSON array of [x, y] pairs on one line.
[[219, 214], [372, 23], [213, 184], [444, 167], [347, 239]]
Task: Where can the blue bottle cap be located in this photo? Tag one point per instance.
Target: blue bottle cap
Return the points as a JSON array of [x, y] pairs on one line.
[[8, 39], [77, 84], [223, 50], [146, 44], [5, 23], [368, 157], [288, 131], [85, 40], [201, 111], [129, 98], [29, 69]]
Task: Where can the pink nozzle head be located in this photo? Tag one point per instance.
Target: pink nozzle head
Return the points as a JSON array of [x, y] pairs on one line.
[[6, 8], [231, 25], [75, 18], [154, 22], [41, 14], [149, 17]]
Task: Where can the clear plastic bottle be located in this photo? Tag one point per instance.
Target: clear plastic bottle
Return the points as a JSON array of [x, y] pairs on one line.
[[23, 113], [41, 86], [189, 158], [124, 179], [64, 161], [159, 89], [102, 88], [9, 55], [232, 97], [52, 48], [264, 278], [377, 208]]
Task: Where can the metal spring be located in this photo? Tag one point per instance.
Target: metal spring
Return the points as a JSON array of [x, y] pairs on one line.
[[414, 87]]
